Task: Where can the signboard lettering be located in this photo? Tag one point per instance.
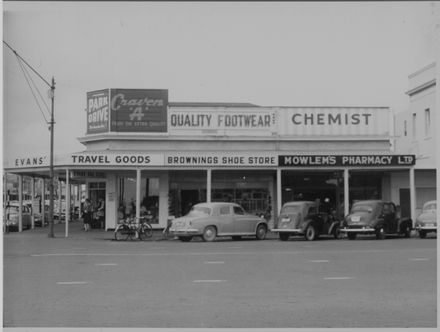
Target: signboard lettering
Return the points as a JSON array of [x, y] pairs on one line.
[[347, 160], [221, 160], [138, 110], [117, 159], [97, 111]]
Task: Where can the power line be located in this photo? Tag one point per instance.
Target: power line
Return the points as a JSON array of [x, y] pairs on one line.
[[32, 91]]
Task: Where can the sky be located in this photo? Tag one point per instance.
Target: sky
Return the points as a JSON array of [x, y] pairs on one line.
[[265, 53]]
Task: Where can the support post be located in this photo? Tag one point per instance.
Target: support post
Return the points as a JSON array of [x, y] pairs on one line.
[[32, 204], [208, 185], [346, 193], [60, 194], [51, 172], [138, 195], [43, 202], [20, 203], [67, 202], [279, 195], [412, 194]]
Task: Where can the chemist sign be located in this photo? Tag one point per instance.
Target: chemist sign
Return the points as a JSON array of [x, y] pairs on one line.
[[98, 114], [346, 160]]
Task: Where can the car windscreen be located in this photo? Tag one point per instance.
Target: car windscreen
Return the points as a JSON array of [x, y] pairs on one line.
[[362, 208], [198, 211], [430, 207], [291, 209]]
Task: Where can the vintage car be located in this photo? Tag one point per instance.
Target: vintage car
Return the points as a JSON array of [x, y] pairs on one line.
[[303, 218], [11, 213], [375, 217], [210, 220], [426, 222]]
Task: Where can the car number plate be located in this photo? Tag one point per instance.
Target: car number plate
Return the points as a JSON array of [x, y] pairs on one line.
[[429, 225], [356, 218], [285, 219]]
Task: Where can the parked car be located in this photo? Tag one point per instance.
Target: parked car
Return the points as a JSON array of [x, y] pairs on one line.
[[12, 212], [210, 220], [426, 222], [375, 217], [303, 218]]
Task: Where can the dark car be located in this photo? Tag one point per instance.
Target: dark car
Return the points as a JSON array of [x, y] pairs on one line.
[[426, 222], [303, 218], [375, 217]]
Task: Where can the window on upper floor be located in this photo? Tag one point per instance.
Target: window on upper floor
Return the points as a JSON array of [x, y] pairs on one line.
[[414, 125], [405, 128], [427, 122]]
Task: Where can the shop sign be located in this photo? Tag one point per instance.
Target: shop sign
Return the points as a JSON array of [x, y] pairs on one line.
[[216, 159], [98, 114], [346, 160], [230, 122], [138, 110], [334, 121], [118, 159], [87, 174]]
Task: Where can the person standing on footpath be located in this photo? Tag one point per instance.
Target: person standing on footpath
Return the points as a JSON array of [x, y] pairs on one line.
[[88, 211]]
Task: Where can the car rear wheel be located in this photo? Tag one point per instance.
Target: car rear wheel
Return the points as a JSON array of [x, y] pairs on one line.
[[185, 238], [261, 232], [284, 236], [209, 234], [351, 236], [310, 233], [422, 234], [380, 233]]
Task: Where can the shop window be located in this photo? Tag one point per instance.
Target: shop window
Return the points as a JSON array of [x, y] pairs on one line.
[[427, 122]]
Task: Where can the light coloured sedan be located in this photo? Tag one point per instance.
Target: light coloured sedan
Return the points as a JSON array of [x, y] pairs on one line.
[[210, 220], [426, 222]]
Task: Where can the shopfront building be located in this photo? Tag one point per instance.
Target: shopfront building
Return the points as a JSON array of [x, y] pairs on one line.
[[143, 153]]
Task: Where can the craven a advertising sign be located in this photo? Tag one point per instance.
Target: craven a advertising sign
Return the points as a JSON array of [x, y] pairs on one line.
[[138, 110], [230, 122], [98, 114], [118, 159], [346, 160]]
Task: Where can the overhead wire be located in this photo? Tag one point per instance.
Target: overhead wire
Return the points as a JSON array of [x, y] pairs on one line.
[[30, 87]]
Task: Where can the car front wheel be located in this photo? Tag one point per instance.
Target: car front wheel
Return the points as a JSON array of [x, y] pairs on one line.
[[209, 234], [380, 233], [310, 233], [261, 232]]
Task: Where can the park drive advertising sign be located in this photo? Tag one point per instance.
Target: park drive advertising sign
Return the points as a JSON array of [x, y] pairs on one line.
[[98, 114], [127, 110]]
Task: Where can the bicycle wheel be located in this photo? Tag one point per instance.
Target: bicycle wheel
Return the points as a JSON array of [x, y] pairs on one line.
[[145, 231], [122, 233]]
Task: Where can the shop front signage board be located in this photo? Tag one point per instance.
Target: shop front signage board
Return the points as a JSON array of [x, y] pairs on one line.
[[346, 160]]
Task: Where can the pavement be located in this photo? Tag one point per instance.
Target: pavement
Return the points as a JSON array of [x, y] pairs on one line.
[[75, 231]]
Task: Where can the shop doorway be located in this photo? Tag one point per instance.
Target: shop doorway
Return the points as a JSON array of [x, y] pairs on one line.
[[189, 198], [405, 203]]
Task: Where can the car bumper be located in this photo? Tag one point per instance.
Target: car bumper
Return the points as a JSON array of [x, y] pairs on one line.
[[188, 231], [287, 230], [426, 228], [357, 230]]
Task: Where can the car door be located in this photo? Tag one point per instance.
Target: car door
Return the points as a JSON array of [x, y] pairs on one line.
[[243, 223], [389, 216], [225, 220]]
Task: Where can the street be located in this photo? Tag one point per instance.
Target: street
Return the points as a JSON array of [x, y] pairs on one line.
[[90, 280]]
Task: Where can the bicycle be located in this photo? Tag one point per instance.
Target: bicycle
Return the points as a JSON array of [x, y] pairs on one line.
[[129, 229]]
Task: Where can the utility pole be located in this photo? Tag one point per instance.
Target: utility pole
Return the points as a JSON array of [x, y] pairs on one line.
[[52, 122]]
